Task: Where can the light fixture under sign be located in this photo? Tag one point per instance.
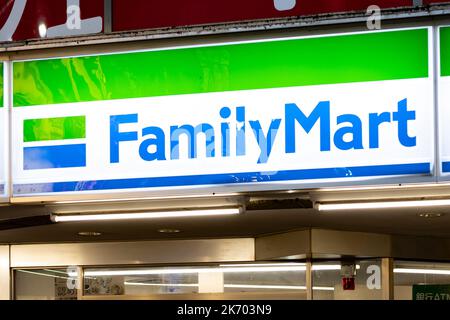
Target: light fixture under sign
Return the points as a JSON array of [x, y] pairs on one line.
[[445, 272], [382, 204], [144, 215]]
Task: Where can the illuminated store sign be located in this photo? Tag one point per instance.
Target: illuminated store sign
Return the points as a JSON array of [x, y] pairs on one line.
[[258, 115]]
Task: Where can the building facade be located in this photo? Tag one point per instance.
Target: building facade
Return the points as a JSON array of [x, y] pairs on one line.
[[275, 149]]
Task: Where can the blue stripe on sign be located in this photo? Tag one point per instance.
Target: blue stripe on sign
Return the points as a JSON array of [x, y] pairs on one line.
[[47, 157], [446, 166], [227, 178]]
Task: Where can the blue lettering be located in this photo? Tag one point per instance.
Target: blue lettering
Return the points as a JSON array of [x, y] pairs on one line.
[[265, 141], [115, 136], [294, 114], [158, 141], [191, 133], [375, 120], [225, 113], [355, 130], [402, 116], [348, 135], [240, 131]]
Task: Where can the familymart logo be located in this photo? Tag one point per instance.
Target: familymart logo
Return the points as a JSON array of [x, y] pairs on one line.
[[54, 143]]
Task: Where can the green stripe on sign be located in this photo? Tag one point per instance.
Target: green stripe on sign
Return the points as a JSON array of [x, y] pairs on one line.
[[54, 129], [370, 56], [445, 50]]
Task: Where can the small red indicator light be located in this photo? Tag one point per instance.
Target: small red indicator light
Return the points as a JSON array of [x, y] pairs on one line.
[[348, 283]]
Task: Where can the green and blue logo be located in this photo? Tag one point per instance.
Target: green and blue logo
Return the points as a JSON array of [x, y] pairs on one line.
[[55, 138]]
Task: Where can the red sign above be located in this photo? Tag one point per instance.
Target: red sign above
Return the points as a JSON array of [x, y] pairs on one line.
[[147, 14], [32, 19]]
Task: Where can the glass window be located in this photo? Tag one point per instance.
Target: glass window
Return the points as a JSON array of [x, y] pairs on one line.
[[421, 280], [273, 278], [355, 280], [45, 284]]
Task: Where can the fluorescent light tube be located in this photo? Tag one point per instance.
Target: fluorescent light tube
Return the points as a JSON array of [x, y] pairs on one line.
[[45, 274], [127, 283], [326, 267], [382, 205], [329, 267], [422, 271], [283, 264], [257, 286], [136, 272], [242, 286], [145, 215]]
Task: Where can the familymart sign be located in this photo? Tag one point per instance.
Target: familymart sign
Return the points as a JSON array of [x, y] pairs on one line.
[[256, 115]]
